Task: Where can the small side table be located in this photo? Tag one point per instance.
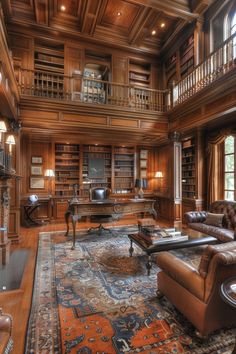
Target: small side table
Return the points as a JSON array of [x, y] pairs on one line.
[[28, 210], [228, 294]]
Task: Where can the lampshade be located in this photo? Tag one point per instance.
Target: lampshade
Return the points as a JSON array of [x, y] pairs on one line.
[[158, 174], [10, 140], [140, 183], [3, 127], [49, 173]]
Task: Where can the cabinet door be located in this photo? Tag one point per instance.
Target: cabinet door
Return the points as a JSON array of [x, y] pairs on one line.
[[61, 207]]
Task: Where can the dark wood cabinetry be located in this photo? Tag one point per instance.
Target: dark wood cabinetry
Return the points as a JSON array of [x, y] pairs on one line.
[[187, 56], [188, 168], [124, 169], [67, 168], [49, 71]]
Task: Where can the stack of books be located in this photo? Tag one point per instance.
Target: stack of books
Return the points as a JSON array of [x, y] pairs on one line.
[[157, 235]]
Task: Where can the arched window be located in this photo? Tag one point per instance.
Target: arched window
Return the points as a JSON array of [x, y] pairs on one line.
[[229, 168]]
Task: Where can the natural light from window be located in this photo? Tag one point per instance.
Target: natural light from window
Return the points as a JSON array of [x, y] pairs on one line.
[[229, 168]]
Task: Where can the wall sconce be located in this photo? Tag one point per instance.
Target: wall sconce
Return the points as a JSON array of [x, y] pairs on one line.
[[3, 129], [10, 141], [50, 174], [140, 183]]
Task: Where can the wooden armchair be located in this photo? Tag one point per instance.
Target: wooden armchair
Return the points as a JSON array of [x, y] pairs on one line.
[[196, 292], [6, 343]]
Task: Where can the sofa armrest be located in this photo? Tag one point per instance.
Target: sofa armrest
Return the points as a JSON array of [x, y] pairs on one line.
[[5, 322], [182, 273], [195, 216]]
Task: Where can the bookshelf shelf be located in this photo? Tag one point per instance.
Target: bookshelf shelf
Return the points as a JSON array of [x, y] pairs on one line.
[[188, 168]]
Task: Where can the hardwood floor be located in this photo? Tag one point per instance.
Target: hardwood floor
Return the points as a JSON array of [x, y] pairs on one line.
[[18, 302]]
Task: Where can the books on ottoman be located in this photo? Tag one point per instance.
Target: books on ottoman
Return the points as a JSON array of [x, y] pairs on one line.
[[156, 235]]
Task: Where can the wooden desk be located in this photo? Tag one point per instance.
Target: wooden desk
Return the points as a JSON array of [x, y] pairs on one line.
[[114, 207]]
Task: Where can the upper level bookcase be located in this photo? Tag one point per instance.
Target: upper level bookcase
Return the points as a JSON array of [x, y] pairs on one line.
[[170, 67], [189, 168], [139, 74], [187, 56], [49, 70]]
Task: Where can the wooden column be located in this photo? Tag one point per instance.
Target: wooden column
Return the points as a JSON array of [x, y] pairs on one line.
[[4, 220], [176, 186]]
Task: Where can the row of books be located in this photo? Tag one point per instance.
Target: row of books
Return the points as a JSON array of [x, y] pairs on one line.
[[157, 235]]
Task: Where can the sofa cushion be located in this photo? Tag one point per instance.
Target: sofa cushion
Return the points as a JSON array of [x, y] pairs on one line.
[[223, 235], [214, 219]]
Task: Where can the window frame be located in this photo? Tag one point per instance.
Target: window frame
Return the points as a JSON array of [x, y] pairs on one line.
[[225, 172]]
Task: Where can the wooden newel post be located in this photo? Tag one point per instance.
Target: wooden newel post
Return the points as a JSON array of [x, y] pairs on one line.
[[4, 220]]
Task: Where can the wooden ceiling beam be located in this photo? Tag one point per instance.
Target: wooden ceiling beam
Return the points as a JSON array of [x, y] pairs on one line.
[[145, 20], [90, 11], [170, 7], [140, 24], [41, 11]]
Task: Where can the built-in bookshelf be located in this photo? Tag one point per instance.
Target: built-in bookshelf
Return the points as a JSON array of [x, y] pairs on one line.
[[96, 167], [93, 87], [124, 169], [67, 168], [170, 67], [187, 56], [49, 71], [189, 168], [139, 74]]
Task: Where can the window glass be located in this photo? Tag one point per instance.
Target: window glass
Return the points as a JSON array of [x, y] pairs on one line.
[[229, 168]]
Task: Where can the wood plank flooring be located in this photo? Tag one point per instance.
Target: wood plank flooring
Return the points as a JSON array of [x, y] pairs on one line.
[[18, 302]]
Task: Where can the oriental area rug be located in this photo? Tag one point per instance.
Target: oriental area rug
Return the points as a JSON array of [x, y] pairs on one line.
[[97, 299]]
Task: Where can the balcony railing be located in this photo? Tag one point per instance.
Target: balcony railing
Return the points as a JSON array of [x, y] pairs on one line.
[[88, 90], [82, 89], [217, 64]]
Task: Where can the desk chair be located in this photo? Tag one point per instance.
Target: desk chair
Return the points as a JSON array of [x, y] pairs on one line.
[[100, 194]]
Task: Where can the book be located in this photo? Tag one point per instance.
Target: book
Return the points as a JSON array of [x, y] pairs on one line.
[[163, 235]]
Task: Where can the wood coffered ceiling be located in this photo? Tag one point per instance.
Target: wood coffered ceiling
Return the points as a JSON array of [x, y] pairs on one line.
[[126, 23]]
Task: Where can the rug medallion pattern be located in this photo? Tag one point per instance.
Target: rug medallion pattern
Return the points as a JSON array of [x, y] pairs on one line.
[[97, 299]]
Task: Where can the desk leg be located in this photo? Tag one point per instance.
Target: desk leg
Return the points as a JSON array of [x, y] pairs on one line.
[[74, 230], [131, 249], [67, 219], [149, 264]]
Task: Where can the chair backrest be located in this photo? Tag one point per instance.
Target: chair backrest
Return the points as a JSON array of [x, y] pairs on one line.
[[99, 193]]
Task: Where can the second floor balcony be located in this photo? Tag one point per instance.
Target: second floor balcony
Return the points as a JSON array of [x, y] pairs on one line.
[[79, 89]]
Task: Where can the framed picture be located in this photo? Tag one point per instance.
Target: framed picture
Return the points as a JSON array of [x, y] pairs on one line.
[[36, 170], [143, 174], [143, 154], [36, 182], [143, 163], [37, 159], [96, 167]]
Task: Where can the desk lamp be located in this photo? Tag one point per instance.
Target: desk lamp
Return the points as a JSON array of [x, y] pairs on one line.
[[140, 183]]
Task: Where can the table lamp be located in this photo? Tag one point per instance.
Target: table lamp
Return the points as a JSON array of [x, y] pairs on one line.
[[140, 183], [50, 174]]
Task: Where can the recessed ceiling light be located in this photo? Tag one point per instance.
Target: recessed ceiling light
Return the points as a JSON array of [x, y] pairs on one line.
[[163, 24], [63, 8], [119, 13], [153, 32]]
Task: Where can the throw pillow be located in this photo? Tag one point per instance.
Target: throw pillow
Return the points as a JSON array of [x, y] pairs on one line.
[[214, 219]]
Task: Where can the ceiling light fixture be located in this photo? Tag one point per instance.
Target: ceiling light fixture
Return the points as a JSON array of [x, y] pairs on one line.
[[162, 24], [153, 32], [63, 8], [119, 13]]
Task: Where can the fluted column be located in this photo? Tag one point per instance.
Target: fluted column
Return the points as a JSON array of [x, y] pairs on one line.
[[4, 220]]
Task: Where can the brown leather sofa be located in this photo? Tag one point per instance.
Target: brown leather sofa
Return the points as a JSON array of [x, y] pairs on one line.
[[196, 292], [6, 343], [196, 220]]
